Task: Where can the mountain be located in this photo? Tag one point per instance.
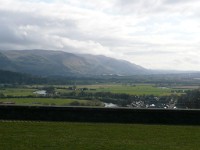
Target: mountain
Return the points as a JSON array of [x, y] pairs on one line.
[[59, 63], [6, 63]]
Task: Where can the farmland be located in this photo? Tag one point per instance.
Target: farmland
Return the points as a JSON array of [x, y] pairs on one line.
[[17, 91], [16, 135], [50, 101], [135, 89], [139, 89], [25, 95], [123, 95]]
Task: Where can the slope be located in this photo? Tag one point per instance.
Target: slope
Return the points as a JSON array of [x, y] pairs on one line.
[[46, 63]]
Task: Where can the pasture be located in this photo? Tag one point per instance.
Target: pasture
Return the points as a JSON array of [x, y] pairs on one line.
[[16, 135], [51, 101], [137, 89], [18, 91], [25, 95]]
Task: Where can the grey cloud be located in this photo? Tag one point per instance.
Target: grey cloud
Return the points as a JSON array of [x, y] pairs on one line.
[[151, 52], [25, 18], [127, 2], [138, 7], [7, 34], [149, 29], [10, 35], [20, 30], [179, 1], [191, 60], [14, 29], [147, 7]]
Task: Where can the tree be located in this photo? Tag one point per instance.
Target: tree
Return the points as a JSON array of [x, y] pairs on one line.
[[50, 90], [2, 95], [190, 100]]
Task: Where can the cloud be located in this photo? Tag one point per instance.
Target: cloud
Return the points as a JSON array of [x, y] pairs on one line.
[[154, 34]]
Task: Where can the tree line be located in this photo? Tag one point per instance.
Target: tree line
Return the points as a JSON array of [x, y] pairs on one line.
[[9, 77], [190, 100]]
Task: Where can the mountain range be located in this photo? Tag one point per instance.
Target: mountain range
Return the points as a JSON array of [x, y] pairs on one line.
[[59, 63]]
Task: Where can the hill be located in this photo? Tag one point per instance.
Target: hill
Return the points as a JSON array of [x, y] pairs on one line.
[[59, 63]]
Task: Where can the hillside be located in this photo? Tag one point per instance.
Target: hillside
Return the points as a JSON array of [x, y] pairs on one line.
[[53, 63]]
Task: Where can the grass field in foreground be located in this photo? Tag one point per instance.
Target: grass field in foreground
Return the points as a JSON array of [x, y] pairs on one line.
[[91, 136]]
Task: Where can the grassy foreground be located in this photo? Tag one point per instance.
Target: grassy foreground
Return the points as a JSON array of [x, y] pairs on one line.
[[91, 136]]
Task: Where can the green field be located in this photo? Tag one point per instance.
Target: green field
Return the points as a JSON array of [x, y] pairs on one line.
[[91, 136], [23, 95], [138, 89], [50, 101], [18, 91]]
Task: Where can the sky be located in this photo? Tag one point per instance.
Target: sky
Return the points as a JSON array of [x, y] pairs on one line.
[[156, 34]]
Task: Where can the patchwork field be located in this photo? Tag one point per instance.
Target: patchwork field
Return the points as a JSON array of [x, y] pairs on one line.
[[90, 136], [138, 89], [50, 101], [17, 91], [25, 95]]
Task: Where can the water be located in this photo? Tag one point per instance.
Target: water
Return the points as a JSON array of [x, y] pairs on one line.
[[110, 105], [40, 92]]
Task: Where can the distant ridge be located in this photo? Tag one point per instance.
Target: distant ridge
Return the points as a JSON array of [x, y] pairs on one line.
[[53, 63]]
